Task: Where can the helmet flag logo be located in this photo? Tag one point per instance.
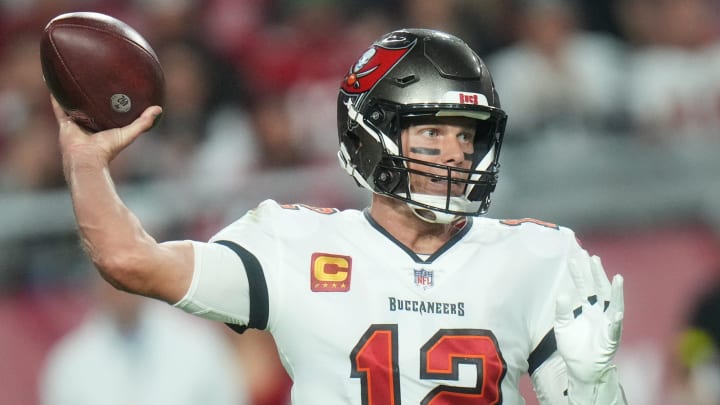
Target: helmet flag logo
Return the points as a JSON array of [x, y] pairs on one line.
[[372, 66]]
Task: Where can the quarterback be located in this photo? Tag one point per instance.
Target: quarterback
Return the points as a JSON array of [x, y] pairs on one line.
[[418, 298]]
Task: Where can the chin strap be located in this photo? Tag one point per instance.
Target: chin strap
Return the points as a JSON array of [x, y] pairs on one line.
[[432, 216], [457, 204]]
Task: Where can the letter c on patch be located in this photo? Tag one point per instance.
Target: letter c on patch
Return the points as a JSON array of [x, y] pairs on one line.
[[331, 268], [330, 272]]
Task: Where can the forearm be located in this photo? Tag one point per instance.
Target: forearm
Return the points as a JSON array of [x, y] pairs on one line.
[[110, 233]]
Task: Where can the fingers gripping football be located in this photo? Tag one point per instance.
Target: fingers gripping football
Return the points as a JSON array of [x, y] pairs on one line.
[[588, 323], [104, 145]]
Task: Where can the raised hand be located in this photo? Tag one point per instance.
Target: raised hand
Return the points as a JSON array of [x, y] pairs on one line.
[[588, 323], [102, 146]]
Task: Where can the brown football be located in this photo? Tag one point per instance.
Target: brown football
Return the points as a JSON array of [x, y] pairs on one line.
[[101, 71]]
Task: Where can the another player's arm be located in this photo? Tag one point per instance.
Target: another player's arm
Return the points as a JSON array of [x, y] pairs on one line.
[[124, 253]]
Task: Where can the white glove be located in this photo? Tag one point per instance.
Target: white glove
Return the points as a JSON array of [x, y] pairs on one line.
[[588, 340]]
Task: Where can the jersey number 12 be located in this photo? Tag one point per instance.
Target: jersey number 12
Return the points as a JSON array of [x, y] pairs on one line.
[[375, 362]]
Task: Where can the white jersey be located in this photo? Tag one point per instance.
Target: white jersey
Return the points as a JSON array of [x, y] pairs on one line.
[[360, 319]]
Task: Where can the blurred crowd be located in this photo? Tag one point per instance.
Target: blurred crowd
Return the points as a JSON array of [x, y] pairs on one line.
[[614, 116]]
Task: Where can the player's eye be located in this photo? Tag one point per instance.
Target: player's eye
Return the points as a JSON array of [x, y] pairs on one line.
[[429, 132], [466, 137]]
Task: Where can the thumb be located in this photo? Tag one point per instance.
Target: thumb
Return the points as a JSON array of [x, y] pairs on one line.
[[119, 138], [563, 310], [144, 122], [616, 309]]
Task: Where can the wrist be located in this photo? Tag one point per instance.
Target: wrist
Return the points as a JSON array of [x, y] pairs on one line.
[[82, 163], [83, 160], [605, 390]]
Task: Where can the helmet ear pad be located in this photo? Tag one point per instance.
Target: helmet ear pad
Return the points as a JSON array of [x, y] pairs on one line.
[[389, 176], [385, 173]]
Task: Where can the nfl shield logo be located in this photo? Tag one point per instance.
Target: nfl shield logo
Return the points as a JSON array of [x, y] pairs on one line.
[[423, 278]]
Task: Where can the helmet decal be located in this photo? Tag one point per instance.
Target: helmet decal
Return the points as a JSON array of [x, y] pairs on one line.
[[372, 66], [460, 97]]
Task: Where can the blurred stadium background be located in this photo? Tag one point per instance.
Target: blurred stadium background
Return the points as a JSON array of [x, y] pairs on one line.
[[614, 131]]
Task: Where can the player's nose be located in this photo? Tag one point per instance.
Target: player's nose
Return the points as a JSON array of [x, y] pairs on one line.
[[452, 152]]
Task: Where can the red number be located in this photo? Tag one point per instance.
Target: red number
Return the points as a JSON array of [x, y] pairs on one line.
[[374, 361], [446, 350]]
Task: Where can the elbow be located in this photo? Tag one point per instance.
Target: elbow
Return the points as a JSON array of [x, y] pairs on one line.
[[123, 270]]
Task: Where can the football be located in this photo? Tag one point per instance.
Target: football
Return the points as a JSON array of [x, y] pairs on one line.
[[100, 70]]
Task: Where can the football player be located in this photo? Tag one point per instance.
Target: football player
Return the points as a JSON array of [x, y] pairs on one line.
[[418, 298]]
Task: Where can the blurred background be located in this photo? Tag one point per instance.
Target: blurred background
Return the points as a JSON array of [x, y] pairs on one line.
[[614, 131]]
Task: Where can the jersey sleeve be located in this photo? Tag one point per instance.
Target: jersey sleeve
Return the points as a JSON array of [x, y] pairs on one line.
[[219, 289], [229, 278]]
